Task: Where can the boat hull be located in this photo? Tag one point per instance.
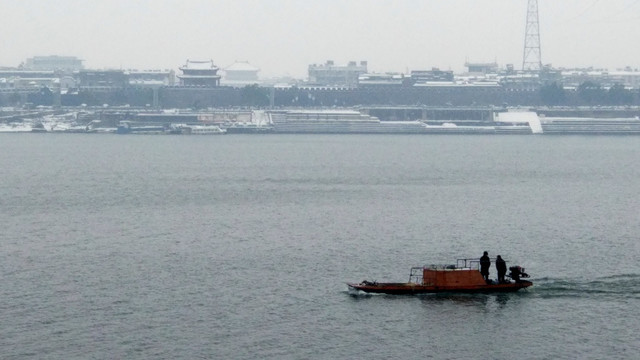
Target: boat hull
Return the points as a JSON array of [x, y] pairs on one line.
[[410, 288]]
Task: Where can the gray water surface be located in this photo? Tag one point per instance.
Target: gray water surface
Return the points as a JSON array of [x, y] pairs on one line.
[[239, 246]]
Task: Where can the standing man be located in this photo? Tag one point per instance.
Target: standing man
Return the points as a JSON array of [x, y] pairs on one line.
[[485, 264], [501, 267]]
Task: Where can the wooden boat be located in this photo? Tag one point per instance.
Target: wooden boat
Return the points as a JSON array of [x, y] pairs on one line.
[[464, 277]]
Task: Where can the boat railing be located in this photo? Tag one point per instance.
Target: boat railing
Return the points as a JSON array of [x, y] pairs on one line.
[[416, 275], [468, 263], [473, 263]]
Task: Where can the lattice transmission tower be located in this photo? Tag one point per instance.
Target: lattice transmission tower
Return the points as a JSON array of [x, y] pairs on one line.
[[532, 58]]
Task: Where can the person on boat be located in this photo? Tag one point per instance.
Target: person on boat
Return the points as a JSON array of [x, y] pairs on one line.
[[501, 267], [485, 264]]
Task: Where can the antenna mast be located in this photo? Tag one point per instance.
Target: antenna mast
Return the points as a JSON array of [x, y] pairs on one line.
[[532, 60]]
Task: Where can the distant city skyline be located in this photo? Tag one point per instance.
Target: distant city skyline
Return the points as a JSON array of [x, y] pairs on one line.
[[283, 37]]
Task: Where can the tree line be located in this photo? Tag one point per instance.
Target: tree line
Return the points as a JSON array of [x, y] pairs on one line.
[[588, 93]]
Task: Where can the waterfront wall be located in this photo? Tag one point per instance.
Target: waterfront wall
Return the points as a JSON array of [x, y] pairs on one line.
[[259, 97]]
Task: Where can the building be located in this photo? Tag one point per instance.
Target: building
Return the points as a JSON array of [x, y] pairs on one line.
[[13, 78], [435, 74], [481, 68], [103, 78], [151, 78], [42, 71], [382, 80], [199, 73], [329, 74], [630, 78], [240, 73], [54, 62]]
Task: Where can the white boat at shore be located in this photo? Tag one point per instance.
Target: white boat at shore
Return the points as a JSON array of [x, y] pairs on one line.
[[593, 126], [15, 128], [202, 130], [339, 122]]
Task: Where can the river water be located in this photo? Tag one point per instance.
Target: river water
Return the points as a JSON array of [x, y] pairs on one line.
[[239, 246]]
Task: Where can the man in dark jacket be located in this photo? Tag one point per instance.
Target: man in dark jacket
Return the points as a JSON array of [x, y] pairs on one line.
[[485, 264], [501, 267]]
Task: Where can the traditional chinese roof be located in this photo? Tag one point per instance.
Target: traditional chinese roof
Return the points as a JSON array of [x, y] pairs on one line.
[[241, 66], [199, 65], [198, 76]]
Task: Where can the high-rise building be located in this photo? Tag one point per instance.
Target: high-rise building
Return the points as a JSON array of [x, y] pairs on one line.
[[54, 62], [329, 74]]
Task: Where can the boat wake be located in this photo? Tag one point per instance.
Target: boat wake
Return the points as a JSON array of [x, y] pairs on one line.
[[624, 285]]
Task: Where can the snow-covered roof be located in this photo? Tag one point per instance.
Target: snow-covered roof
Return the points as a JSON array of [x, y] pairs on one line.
[[241, 66], [199, 65]]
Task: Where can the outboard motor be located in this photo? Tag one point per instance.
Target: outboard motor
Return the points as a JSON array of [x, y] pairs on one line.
[[517, 272]]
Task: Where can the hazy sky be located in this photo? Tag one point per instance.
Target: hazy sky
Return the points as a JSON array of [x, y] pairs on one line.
[[284, 36]]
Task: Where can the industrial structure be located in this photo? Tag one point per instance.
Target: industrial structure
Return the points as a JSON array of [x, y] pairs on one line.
[[532, 55]]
